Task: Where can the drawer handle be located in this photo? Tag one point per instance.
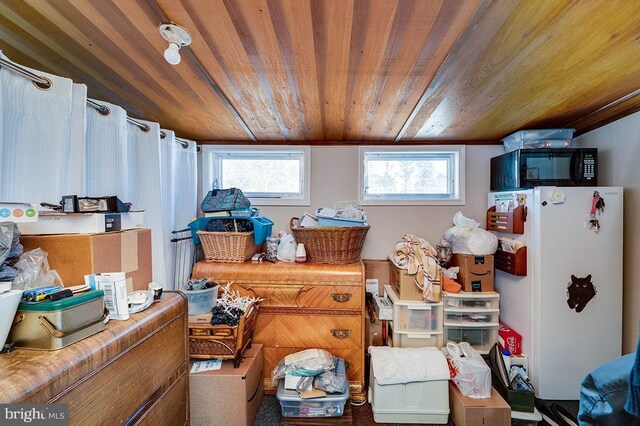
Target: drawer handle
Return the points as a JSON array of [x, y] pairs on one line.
[[340, 334], [341, 297]]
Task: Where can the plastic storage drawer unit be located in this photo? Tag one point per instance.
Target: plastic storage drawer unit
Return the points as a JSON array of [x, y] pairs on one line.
[[416, 402], [414, 339], [464, 300], [480, 336], [330, 406], [414, 316], [471, 316]]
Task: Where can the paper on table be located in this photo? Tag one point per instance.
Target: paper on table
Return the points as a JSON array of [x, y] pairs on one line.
[[208, 365]]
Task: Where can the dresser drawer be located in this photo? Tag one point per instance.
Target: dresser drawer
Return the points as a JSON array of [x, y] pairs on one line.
[[301, 331], [102, 399], [303, 295], [171, 408]]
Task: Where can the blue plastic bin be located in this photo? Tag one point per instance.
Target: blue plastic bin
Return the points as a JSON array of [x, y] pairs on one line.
[[340, 222], [248, 212], [261, 227]]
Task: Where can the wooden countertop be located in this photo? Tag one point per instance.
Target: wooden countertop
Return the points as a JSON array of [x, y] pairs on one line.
[[36, 376], [292, 271]]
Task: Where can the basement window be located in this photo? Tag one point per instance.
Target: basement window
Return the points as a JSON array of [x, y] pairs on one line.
[[412, 175], [267, 176]]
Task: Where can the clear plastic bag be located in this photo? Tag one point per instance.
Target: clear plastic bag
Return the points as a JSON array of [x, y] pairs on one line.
[[469, 371], [9, 241], [334, 381], [310, 362], [33, 271], [287, 248]]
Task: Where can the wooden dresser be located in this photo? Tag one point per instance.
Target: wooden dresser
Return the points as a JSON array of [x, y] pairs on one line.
[[133, 372], [305, 306]]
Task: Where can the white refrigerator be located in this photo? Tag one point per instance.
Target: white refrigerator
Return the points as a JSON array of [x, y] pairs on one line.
[[566, 332]]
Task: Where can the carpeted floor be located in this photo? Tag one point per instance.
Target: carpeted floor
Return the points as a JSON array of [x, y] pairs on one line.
[[269, 413]]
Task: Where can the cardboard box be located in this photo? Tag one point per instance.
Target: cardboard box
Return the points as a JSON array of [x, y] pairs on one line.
[[384, 308], [509, 339], [465, 411], [230, 396], [476, 272], [51, 223], [403, 285], [74, 256], [377, 270]]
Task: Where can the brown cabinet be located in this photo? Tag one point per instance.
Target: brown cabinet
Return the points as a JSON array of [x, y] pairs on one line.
[[305, 306], [133, 372]]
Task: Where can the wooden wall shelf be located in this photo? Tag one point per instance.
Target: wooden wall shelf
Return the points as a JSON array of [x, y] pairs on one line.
[[510, 222], [512, 263]]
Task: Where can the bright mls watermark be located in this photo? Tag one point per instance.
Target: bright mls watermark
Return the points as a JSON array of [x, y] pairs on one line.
[[34, 414]]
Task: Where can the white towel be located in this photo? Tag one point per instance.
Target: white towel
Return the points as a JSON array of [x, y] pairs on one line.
[[404, 365]]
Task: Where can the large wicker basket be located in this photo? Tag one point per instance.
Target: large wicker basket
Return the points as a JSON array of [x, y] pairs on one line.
[[208, 341], [227, 246], [335, 245]]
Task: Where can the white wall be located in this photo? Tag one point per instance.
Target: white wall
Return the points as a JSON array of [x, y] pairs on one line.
[[618, 146], [334, 177]]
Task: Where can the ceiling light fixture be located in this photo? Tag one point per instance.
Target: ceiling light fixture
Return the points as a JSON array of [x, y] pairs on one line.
[[177, 38]]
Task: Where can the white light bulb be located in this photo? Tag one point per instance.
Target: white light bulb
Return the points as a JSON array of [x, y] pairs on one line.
[[172, 54]]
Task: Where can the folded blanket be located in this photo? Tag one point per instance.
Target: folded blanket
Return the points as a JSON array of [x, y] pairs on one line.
[[405, 365]]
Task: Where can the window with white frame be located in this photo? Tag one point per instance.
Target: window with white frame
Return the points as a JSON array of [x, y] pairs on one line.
[[274, 175], [412, 175]]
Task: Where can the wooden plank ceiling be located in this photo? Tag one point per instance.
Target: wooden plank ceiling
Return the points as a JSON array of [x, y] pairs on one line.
[[347, 71]]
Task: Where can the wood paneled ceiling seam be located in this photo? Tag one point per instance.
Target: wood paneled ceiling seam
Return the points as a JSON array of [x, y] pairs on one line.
[[225, 100], [456, 46], [604, 112]]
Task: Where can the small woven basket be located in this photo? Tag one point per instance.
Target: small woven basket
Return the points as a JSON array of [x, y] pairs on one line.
[[333, 245], [227, 246], [223, 341]]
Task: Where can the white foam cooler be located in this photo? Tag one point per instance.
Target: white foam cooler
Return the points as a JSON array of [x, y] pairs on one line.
[[417, 402]]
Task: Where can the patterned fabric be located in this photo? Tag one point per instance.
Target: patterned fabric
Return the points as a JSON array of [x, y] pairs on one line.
[[419, 258]]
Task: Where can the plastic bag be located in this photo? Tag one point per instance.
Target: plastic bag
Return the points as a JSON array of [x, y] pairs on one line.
[[468, 369], [310, 362], [467, 238], [334, 381], [9, 241], [287, 248], [33, 271]]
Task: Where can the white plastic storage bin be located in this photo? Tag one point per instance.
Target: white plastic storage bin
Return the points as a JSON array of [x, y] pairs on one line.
[[414, 316], [480, 336], [471, 316], [465, 300], [414, 340], [417, 402], [331, 405]]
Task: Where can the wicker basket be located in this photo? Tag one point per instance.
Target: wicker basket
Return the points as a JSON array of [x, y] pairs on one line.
[[223, 341], [334, 245], [227, 246]]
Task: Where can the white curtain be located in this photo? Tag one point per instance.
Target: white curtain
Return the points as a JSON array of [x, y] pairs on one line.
[[41, 137], [52, 144], [179, 190], [145, 185], [107, 171]]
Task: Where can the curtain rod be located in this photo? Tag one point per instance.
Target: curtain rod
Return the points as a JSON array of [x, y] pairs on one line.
[[45, 83]]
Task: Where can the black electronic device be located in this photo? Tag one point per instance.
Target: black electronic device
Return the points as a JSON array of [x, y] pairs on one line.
[[526, 168]]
